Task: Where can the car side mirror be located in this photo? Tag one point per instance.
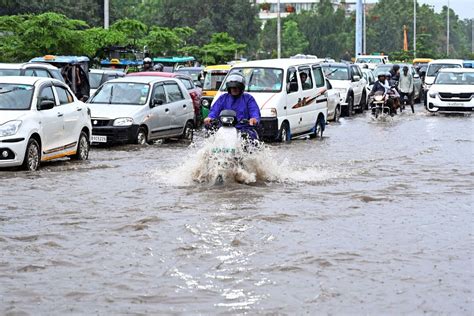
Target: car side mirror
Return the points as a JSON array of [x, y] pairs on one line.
[[356, 78], [292, 87], [46, 105], [156, 102]]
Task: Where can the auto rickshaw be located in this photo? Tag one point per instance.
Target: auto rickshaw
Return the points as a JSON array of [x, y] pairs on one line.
[[75, 71], [125, 65], [170, 64], [213, 77]]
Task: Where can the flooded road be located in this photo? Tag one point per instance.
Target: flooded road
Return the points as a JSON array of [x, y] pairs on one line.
[[375, 218]]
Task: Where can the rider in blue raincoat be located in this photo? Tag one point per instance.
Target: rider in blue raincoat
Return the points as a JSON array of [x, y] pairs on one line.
[[242, 103]]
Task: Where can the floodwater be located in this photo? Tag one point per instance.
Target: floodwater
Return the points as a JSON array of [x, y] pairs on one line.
[[376, 218]]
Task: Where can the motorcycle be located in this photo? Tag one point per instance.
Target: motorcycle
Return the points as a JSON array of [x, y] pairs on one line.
[[228, 149], [385, 103]]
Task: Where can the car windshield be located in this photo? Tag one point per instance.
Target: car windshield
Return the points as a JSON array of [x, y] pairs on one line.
[[381, 69], [455, 78], [94, 80], [122, 93], [9, 72], [434, 68], [260, 79], [369, 60], [15, 96], [194, 74], [336, 73], [213, 79]]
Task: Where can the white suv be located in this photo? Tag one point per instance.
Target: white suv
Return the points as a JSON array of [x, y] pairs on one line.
[[41, 119], [349, 81]]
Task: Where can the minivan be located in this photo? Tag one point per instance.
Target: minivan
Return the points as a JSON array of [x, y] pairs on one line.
[[290, 106]]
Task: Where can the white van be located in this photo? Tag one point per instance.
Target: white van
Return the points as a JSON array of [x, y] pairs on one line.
[[289, 107], [433, 68]]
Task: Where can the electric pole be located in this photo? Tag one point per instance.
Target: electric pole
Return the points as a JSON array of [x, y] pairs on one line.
[[106, 14], [358, 43], [278, 31], [414, 28]]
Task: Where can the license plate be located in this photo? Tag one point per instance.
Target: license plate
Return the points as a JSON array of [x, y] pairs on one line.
[[98, 139], [455, 104]]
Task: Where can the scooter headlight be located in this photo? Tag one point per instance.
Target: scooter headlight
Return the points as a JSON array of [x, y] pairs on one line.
[[378, 97], [205, 103], [227, 120]]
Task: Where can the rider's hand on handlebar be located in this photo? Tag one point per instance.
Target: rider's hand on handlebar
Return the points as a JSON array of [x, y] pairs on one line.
[[253, 121], [207, 121]]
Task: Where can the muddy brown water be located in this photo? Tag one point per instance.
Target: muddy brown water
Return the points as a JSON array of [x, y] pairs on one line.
[[375, 218]]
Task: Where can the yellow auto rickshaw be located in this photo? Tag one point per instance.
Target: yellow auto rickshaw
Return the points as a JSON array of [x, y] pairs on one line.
[[213, 77]]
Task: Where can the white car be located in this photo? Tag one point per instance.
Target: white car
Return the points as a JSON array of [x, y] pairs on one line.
[[452, 91], [349, 81], [432, 70], [140, 110], [372, 61], [41, 119], [334, 102]]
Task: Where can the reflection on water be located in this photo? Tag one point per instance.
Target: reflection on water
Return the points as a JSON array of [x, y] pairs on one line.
[[374, 218]]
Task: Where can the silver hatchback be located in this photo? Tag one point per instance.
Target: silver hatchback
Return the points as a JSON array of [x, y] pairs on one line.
[[140, 110]]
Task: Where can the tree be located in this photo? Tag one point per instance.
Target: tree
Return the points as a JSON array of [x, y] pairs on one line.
[[165, 41], [293, 41], [133, 29], [221, 49]]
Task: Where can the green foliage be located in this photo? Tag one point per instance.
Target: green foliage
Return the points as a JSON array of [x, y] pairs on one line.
[[133, 29], [47, 33], [165, 41], [221, 49], [293, 41]]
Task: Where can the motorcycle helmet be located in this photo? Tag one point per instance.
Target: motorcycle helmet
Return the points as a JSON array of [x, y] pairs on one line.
[[235, 81], [147, 60], [382, 74]]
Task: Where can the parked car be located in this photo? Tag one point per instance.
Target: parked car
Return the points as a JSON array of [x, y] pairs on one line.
[[140, 110], [213, 77], [290, 106], [194, 91], [452, 91], [416, 77], [41, 119], [349, 81], [196, 73], [31, 69], [432, 71], [98, 76], [334, 102], [370, 79]]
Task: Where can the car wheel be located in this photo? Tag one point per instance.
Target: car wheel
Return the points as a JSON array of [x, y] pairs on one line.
[[141, 136], [284, 135], [362, 104], [337, 113], [82, 152], [318, 129], [188, 132], [32, 158], [350, 106]]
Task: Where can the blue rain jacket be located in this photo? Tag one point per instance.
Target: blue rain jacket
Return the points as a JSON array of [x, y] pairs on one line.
[[245, 106]]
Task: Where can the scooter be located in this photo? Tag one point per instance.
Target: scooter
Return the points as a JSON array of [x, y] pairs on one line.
[[229, 146], [379, 106]]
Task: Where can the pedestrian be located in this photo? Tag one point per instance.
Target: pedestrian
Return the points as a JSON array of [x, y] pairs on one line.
[[406, 87]]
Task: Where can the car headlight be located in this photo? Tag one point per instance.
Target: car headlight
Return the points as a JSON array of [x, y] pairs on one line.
[[433, 94], [9, 128], [270, 112], [123, 121], [205, 103]]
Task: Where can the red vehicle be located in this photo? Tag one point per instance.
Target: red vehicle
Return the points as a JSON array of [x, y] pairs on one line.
[[194, 91]]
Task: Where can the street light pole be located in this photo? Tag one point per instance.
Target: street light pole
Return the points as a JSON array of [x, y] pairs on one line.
[[106, 14], [359, 26], [364, 37], [414, 28], [447, 33], [278, 31]]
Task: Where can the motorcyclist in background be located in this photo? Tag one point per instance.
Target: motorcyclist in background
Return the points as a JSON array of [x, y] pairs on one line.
[[395, 75], [381, 85], [242, 103], [147, 64]]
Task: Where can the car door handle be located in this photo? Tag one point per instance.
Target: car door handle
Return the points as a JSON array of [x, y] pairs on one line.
[[184, 105], [284, 108], [60, 114], [167, 110], [79, 109]]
